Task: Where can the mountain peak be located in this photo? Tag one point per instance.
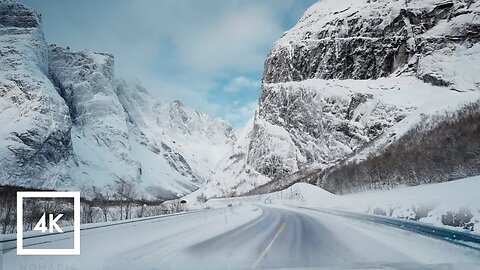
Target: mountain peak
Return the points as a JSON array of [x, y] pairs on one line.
[[177, 103], [14, 14]]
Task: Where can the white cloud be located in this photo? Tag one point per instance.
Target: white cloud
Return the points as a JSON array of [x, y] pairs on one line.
[[235, 40], [178, 49], [239, 115], [241, 83]]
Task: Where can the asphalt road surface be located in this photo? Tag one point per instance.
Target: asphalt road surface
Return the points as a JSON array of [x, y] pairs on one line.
[[249, 237]]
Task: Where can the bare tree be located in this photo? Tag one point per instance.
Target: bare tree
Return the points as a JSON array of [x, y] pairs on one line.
[[176, 206], [202, 198], [439, 148], [87, 212], [102, 199], [125, 194], [7, 209]]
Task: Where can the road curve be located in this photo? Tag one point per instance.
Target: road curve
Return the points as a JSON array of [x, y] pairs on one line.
[[291, 238], [253, 237], [284, 238]]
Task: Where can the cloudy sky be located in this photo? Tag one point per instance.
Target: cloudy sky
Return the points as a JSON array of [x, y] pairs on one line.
[[207, 53]]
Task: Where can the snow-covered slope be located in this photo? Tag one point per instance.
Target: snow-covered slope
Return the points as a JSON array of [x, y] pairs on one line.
[[233, 175], [177, 146], [452, 204], [68, 122], [35, 123], [100, 136], [455, 204], [354, 76]]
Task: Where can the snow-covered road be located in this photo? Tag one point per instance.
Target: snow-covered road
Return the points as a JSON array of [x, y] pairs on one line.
[[249, 237]]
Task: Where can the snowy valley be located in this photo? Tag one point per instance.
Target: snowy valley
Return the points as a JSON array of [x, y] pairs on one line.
[[356, 96], [363, 151]]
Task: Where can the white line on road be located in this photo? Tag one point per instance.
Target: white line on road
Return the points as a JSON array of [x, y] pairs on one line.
[[260, 258]]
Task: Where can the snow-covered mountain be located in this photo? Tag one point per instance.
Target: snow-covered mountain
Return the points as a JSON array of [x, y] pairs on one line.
[[68, 122], [350, 79], [35, 120], [354, 84]]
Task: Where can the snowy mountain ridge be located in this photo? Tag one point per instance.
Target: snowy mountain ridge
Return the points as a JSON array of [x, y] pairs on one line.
[[69, 123], [351, 80]]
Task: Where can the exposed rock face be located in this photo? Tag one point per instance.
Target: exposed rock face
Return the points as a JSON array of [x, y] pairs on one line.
[[16, 15], [321, 122], [85, 80], [34, 119], [68, 122], [326, 120], [371, 39]]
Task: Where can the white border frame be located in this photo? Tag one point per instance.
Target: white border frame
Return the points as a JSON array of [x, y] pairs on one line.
[[76, 222]]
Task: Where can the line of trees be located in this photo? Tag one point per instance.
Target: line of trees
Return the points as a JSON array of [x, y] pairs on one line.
[[118, 201], [8, 211], [438, 149], [121, 201], [32, 208]]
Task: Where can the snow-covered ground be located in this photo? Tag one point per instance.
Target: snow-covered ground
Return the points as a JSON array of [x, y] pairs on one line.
[[248, 237], [425, 203], [116, 245], [272, 231]]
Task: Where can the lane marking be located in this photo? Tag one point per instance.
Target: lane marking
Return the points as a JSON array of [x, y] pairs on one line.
[[265, 251]]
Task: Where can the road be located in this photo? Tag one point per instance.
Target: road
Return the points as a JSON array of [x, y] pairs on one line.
[[250, 237]]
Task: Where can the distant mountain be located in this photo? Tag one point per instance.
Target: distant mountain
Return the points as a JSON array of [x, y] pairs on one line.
[[67, 122], [352, 82]]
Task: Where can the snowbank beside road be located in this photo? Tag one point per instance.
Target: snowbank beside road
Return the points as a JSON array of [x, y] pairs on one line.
[[454, 204]]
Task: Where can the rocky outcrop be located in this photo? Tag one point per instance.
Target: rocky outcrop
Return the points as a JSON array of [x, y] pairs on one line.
[[372, 39], [15, 15], [85, 80], [321, 122]]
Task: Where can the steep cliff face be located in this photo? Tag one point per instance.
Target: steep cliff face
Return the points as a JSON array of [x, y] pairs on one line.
[[120, 131], [100, 135], [352, 78], [321, 121], [371, 39], [35, 123], [68, 123], [358, 75]]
